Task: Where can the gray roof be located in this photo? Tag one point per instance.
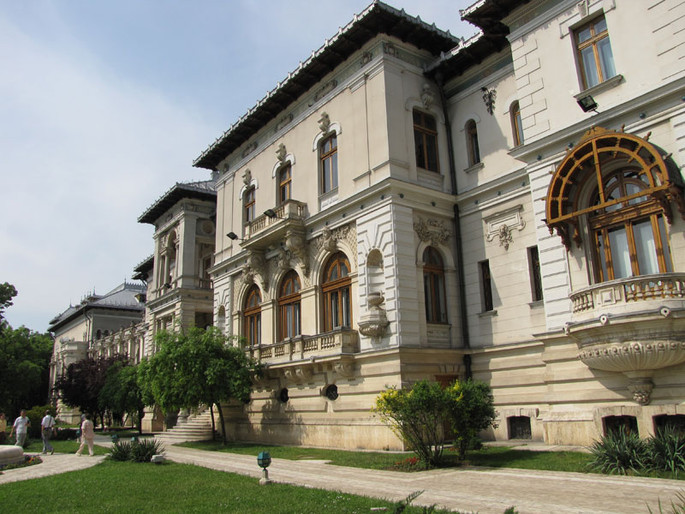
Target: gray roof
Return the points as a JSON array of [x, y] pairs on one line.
[[203, 190], [121, 298], [377, 18]]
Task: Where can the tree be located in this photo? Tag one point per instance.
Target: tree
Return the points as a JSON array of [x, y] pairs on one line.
[[418, 416], [7, 293], [193, 368], [24, 368], [472, 410], [121, 393], [426, 414], [80, 386]]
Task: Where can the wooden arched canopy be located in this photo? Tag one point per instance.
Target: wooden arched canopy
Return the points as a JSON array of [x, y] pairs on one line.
[[597, 153]]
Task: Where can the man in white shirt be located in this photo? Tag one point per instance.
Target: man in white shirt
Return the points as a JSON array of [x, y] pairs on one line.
[[20, 427], [47, 426]]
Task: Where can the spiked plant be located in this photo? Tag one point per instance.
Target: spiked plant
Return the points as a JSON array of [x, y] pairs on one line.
[[619, 452], [667, 450]]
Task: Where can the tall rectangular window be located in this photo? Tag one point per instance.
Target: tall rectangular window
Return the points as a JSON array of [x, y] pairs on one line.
[[328, 153], [249, 205], [425, 141], [595, 58], [284, 184], [486, 285], [535, 276]]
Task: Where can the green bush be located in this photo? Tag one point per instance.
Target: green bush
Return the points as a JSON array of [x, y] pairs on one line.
[[143, 450], [36, 416], [666, 450], [620, 452], [64, 434], [121, 451]]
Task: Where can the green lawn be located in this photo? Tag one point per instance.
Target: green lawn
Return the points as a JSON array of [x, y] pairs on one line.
[[498, 457], [123, 487]]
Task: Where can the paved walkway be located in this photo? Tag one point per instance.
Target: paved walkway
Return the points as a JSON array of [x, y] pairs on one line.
[[466, 490]]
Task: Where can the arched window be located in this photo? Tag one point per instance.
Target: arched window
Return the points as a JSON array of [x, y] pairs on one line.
[[328, 156], [336, 293], [516, 125], [472, 142], [289, 307], [616, 190], [284, 184], [249, 207], [434, 286], [252, 329], [425, 141]]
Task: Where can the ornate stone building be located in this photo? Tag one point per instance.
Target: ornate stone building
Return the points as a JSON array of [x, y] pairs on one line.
[[106, 324], [406, 204]]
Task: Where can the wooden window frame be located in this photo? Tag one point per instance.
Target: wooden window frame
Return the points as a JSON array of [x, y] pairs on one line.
[[592, 42], [337, 286], [284, 184], [249, 204], [289, 300], [486, 285], [434, 286], [516, 123], [472, 146], [328, 155], [424, 133], [252, 317]]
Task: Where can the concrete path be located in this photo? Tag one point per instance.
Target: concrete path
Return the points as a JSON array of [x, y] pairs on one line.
[[466, 490]]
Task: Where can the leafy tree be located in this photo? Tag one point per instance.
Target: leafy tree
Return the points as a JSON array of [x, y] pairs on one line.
[[472, 410], [417, 415], [195, 367], [24, 368], [426, 414], [7, 293], [80, 386], [121, 393]]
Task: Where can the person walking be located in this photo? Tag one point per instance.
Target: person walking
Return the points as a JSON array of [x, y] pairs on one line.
[[47, 426], [20, 428], [87, 436], [3, 428]]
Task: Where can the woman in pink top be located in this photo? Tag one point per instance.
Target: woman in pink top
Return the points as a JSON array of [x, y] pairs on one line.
[[87, 436]]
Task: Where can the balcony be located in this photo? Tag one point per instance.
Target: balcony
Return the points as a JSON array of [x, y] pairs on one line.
[[303, 348], [274, 223], [633, 326]]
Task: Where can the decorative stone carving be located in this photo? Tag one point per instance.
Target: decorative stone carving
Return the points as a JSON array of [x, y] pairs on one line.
[[431, 231], [324, 122], [299, 374], [641, 389], [281, 152], [325, 89], [427, 96], [375, 322], [284, 121], [247, 177], [390, 49], [489, 96], [344, 368], [249, 149], [328, 240], [296, 244], [366, 58], [501, 225]]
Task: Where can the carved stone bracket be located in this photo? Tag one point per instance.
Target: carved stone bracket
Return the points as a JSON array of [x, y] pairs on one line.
[[296, 245], [344, 368], [427, 96], [503, 224], [375, 322], [281, 152], [299, 374], [324, 122], [255, 264], [431, 230]]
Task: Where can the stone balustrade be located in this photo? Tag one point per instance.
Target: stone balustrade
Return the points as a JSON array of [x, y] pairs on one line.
[[307, 347]]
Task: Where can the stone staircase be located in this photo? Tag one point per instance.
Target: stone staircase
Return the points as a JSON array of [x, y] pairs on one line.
[[198, 427]]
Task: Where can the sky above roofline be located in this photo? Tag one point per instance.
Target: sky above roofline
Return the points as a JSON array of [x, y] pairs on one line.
[[105, 105]]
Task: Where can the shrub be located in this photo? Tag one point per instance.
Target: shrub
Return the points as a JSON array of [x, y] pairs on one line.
[[471, 411], [64, 434], [667, 450], [619, 452], [121, 451], [36, 416], [143, 450]]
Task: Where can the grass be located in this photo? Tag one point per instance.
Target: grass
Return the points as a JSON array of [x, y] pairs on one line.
[[494, 457], [36, 446], [172, 487]]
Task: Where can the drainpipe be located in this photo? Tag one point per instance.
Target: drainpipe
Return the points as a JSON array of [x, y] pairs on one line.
[[457, 228]]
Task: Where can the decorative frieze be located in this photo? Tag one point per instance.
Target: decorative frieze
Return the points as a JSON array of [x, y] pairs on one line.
[[501, 225], [432, 231]]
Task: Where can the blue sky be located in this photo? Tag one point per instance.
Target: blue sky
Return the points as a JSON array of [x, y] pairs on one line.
[[104, 105]]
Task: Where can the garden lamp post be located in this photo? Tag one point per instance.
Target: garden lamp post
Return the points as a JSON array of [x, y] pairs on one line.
[[264, 460]]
